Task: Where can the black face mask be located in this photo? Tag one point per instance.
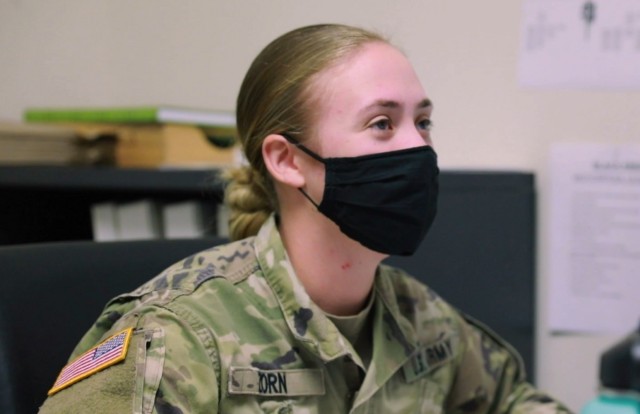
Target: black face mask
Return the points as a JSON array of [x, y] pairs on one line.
[[386, 201]]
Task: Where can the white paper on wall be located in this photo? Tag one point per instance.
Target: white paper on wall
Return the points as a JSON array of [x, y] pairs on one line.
[[580, 44], [594, 232]]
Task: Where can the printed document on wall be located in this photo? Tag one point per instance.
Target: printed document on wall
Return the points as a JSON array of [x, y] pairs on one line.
[[580, 44], [594, 232]]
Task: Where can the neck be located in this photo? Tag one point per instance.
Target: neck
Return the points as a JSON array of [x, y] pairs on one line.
[[337, 272]]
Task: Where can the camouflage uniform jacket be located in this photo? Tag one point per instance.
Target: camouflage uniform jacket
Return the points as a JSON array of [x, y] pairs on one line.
[[231, 329]]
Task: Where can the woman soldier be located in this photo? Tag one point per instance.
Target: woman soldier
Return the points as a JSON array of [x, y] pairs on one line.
[[299, 314]]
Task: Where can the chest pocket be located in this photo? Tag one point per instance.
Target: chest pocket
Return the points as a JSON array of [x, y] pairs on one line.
[[421, 385], [424, 395]]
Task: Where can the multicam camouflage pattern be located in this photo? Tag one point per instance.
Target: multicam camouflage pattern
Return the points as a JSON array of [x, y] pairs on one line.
[[231, 329]]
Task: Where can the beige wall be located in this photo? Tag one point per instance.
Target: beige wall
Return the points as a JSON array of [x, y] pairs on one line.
[[194, 53]]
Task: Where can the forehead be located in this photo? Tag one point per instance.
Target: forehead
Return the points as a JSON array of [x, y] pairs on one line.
[[376, 71], [370, 57]]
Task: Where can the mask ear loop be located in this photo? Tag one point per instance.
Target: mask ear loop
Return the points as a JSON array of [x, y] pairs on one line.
[[304, 149], [310, 153]]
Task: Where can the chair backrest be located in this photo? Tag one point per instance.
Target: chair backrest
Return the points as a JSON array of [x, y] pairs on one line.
[[51, 294]]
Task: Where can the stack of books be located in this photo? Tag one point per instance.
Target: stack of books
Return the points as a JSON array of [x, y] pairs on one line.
[[152, 219], [22, 144], [153, 136]]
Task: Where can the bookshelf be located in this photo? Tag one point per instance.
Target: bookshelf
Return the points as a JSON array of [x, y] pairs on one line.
[[52, 203]]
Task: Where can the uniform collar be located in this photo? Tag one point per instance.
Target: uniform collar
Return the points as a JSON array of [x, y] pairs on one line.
[[305, 319], [394, 337]]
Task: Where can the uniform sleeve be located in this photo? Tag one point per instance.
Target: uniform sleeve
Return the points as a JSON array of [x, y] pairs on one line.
[[168, 368], [491, 378]]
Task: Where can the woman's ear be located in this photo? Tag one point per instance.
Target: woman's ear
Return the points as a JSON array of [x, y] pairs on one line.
[[280, 158]]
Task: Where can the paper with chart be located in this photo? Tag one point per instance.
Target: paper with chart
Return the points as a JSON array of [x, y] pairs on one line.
[[580, 44], [594, 229]]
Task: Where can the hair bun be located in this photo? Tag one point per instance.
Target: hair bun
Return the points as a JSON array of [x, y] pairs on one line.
[[248, 201]]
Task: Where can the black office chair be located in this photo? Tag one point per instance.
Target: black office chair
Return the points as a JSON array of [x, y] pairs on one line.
[[50, 295]]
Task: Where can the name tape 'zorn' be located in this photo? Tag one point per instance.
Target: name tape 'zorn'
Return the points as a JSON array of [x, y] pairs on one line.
[[288, 382]]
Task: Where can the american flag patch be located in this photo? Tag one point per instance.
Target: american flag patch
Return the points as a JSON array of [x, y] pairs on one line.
[[109, 352]]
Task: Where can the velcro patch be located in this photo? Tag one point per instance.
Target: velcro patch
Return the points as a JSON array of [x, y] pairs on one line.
[[108, 353], [287, 382]]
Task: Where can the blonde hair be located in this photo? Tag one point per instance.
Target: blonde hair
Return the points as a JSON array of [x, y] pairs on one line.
[[275, 97]]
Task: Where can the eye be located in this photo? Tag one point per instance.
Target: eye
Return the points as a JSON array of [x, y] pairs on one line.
[[425, 124], [382, 124]]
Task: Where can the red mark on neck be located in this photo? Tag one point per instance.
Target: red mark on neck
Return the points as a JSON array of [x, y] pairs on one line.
[[346, 266]]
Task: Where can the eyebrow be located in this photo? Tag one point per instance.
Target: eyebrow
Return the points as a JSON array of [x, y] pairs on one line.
[[383, 103], [425, 103]]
